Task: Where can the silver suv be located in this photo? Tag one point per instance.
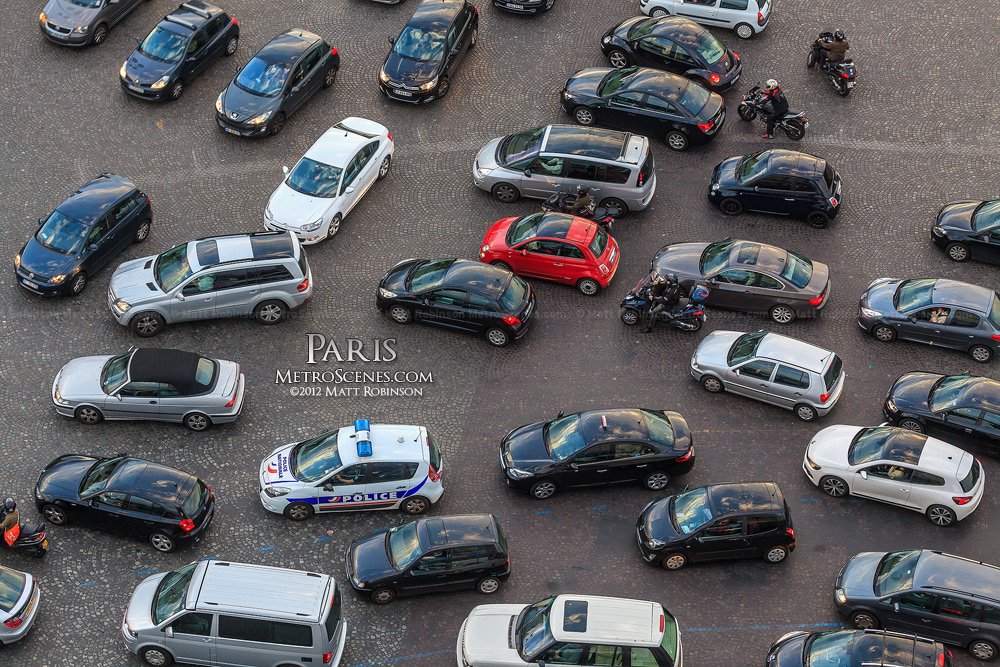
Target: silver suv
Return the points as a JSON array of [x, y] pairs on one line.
[[770, 368], [263, 274]]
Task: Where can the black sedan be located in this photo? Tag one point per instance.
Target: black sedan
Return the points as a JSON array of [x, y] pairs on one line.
[[275, 83], [178, 49], [645, 101], [163, 505], [597, 448], [778, 182], [676, 45], [525, 6], [969, 230], [749, 276], [458, 294], [856, 648], [962, 404], [447, 553], [719, 522], [84, 233]]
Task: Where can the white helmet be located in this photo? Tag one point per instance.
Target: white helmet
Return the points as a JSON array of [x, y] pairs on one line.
[[771, 84]]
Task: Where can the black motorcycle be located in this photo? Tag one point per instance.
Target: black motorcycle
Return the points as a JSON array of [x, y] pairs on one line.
[[22, 537], [754, 103], [843, 74], [561, 202], [687, 315]]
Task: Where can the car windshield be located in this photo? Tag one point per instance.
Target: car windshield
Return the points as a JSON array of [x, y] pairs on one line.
[[642, 28], [563, 437], [868, 444], [692, 510], [798, 270], [708, 47], [89, 4], [312, 460], [429, 275], [98, 475], [715, 257], [403, 546], [914, 294], [11, 588], [115, 373], [171, 593], [513, 296], [659, 427], [694, 98], [829, 650], [945, 394], [164, 45], [895, 572], [745, 347], [172, 268], [263, 78], [534, 628], [62, 234], [523, 229], [751, 166], [986, 217], [518, 146], [599, 242], [420, 44], [613, 82], [314, 178]]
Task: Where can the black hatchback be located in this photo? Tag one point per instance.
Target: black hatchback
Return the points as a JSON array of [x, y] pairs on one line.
[[84, 233], [178, 49], [963, 405], [718, 522], [427, 52], [275, 83], [779, 182], [458, 294], [447, 553], [645, 101], [969, 230], [856, 648], [524, 6]]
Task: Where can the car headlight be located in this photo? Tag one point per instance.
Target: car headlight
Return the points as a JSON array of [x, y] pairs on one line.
[[122, 72], [841, 596], [383, 77], [485, 249], [387, 294], [890, 405], [129, 631], [38, 494], [81, 29], [312, 226], [715, 186], [267, 213], [868, 312], [17, 261], [57, 279], [937, 230], [566, 95], [483, 173], [277, 491], [57, 395], [514, 473], [218, 103], [606, 39], [41, 17], [260, 119], [357, 582], [122, 306], [812, 464], [430, 84], [161, 82], [655, 544]]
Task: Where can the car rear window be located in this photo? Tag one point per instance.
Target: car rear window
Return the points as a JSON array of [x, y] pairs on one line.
[[798, 270], [514, 295], [501, 537], [646, 171], [969, 483], [333, 618], [194, 502], [434, 453], [669, 641], [828, 174], [303, 264], [694, 98], [833, 373], [11, 588], [599, 243]]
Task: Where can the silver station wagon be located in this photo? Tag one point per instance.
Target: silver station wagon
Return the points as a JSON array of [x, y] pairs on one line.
[[162, 385], [770, 368]]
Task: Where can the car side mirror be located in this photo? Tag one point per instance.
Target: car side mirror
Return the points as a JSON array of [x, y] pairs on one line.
[[686, 487], [179, 296], [574, 466], [349, 190], [527, 172], [92, 502], [138, 40], [895, 606], [912, 319], [41, 221], [92, 246], [295, 89], [864, 475], [756, 188], [169, 632], [426, 301], [453, 53], [284, 170], [328, 486], [523, 252], [392, 40], [541, 663], [560, 415]]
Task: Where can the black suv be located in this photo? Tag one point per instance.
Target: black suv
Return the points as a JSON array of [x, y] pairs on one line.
[[856, 648], [952, 599], [178, 49], [723, 521], [445, 553], [427, 52]]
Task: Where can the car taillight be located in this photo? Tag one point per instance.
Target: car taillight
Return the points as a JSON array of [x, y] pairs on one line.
[[187, 525], [715, 78], [233, 21], [736, 56], [13, 623], [962, 500], [995, 337], [604, 269], [231, 401], [303, 286], [433, 474], [390, 136], [705, 127], [760, 17], [833, 201], [333, 51], [818, 300], [686, 455], [661, 622], [512, 321], [823, 398], [327, 657], [209, 489], [791, 533], [941, 660]]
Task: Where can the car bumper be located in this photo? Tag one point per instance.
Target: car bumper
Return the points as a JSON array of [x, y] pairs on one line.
[[411, 96], [8, 636], [40, 287], [64, 39], [276, 505], [305, 238], [193, 537], [523, 7], [940, 241], [459, 643], [963, 511], [143, 92], [233, 412], [813, 475], [648, 197], [241, 130]]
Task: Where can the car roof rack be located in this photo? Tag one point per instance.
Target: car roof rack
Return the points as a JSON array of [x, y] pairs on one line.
[[180, 21], [196, 10]]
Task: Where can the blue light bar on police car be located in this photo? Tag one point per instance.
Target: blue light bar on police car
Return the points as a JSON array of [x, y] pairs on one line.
[[362, 431]]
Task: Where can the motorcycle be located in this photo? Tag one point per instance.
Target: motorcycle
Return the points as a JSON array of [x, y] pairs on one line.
[[843, 74], [23, 537], [793, 123], [687, 315], [561, 201]]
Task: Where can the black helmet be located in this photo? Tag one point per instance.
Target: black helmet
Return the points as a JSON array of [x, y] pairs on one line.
[[672, 277], [582, 189], [839, 35], [9, 505]]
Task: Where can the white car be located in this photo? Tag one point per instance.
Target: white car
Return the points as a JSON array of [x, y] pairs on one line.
[[330, 179], [746, 17], [896, 466], [364, 467]]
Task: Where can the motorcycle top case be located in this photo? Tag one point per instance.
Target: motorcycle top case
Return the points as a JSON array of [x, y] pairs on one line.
[[699, 293]]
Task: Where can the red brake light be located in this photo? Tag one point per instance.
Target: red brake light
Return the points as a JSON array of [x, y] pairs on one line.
[[187, 525], [700, 312], [231, 401], [705, 127], [715, 78], [823, 398], [661, 622], [995, 337], [686, 455], [13, 623], [962, 500], [303, 286], [941, 660], [512, 321], [433, 474], [818, 300], [760, 17], [833, 201], [233, 21], [736, 55], [791, 533], [390, 136], [327, 657], [333, 51]]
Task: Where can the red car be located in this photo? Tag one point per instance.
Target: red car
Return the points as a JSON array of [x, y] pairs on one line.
[[553, 246]]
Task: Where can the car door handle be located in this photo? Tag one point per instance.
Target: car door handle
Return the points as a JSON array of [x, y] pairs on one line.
[[968, 430], [557, 265], [798, 393], [152, 402], [926, 620], [903, 488], [401, 487], [604, 470], [207, 640], [644, 465], [789, 198], [763, 384]]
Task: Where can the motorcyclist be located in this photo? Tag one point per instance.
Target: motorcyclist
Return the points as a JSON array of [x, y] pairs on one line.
[[775, 105], [582, 201], [9, 517], [833, 51], [663, 295]]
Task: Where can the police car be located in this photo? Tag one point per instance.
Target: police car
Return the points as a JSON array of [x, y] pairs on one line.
[[367, 467]]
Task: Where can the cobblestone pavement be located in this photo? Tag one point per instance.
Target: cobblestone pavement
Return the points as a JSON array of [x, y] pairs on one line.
[[64, 119]]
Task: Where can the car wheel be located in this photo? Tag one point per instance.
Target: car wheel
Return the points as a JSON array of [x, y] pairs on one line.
[[911, 425], [475, 38], [502, 265], [542, 489], [980, 353], [806, 413], [299, 511], [100, 34], [196, 421], [488, 585], [271, 312], [506, 193], [147, 324], [618, 58], [744, 31], [142, 231], [818, 219], [88, 415], [833, 486], [415, 505], [776, 555], [983, 650], [155, 656], [497, 337], [231, 45], [54, 514], [330, 78], [677, 140], [383, 595], [782, 314], [77, 284], [443, 87], [659, 13], [588, 286], [383, 169], [177, 90], [584, 116], [630, 317], [400, 315], [334, 226], [731, 206], [614, 207], [940, 515], [161, 542], [674, 562], [656, 481], [712, 384], [957, 252], [278, 124], [864, 620], [884, 333]]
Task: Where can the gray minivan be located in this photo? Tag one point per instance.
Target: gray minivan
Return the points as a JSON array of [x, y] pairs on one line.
[[213, 612]]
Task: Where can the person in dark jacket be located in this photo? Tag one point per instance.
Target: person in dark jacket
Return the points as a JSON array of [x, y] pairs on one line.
[[664, 294], [775, 106], [833, 52], [582, 201]]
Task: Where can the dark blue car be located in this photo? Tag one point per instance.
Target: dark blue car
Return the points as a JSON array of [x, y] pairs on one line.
[[82, 235]]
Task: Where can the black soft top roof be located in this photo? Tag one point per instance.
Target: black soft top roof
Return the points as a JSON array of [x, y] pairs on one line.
[[173, 367]]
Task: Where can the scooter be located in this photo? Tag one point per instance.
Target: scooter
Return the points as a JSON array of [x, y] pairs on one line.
[[561, 201], [24, 537], [843, 74], [793, 123], [687, 315]]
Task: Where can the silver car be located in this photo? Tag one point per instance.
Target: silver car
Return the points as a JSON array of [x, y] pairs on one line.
[[263, 274], [18, 604], [162, 385], [770, 368]]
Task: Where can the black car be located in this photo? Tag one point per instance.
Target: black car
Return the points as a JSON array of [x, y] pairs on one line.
[[962, 404], [676, 45], [275, 83], [447, 553], [718, 522], [82, 22], [458, 294], [525, 6], [645, 101], [83, 234], [596, 448], [427, 52], [778, 182], [163, 505], [178, 49], [969, 230], [856, 648]]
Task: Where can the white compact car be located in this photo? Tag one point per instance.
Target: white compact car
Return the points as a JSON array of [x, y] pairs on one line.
[[364, 467], [330, 179], [746, 17], [896, 466]]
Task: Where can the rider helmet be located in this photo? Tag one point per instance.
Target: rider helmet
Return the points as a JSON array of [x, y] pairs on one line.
[[582, 189], [771, 84], [672, 277], [9, 505], [839, 35]]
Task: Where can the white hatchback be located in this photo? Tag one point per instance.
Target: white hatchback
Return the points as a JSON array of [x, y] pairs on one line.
[[896, 466], [746, 17], [330, 179]]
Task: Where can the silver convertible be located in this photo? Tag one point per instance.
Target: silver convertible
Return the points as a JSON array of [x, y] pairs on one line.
[[164, 385]]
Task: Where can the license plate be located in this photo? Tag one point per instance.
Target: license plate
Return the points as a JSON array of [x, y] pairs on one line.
[[513, 6], [737, 77], [28, 283], [850, 84], [45, 544], [806, 124], [403, 93], [231, 131], [56, 33], [138, 89]]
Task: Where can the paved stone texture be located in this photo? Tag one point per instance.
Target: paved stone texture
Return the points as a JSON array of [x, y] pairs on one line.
[[917, 132]]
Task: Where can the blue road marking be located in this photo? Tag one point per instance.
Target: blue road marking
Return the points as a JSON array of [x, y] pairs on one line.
[[810, 500], [149, 571], [401, 658], [266, 548], [320, 539], [544, 512]]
